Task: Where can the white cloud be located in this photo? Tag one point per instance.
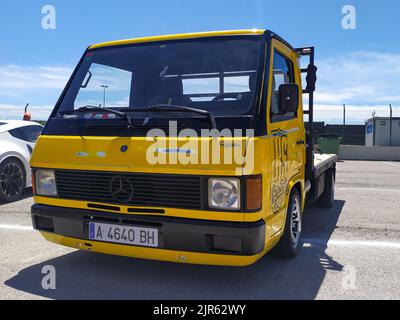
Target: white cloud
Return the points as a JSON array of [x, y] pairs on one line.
[[38, 85], [355, 114], [359, 78], [14, 78], [365, 81], [12, 112]]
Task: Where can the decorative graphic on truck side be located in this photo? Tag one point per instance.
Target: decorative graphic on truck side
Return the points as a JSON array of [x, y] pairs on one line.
[[280, 168]]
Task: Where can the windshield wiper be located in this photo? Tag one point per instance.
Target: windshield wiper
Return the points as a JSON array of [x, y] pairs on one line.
[[154, 108], [116, 112], [172, 108]]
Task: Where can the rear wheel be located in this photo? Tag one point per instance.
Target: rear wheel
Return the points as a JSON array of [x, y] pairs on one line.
[[290, 243], [12, 180], [328, 195]]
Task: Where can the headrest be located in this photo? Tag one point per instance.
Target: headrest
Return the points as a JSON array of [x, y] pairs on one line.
[[171, 86], [252, 81]]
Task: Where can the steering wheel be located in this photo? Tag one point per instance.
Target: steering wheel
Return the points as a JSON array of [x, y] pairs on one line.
[[224, 96]]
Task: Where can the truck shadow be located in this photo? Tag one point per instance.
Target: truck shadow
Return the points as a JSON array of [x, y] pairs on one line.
[[83, 275]]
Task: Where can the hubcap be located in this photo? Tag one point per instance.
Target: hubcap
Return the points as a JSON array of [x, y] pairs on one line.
[[11, 180], [295, 222]]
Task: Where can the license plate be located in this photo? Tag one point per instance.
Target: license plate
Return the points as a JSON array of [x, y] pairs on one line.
[[139, 236]]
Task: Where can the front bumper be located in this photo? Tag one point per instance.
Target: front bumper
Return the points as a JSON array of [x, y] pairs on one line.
[[180, 239]]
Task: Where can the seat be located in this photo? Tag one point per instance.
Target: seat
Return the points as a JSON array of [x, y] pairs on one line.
[[274, 97], [170, 92]]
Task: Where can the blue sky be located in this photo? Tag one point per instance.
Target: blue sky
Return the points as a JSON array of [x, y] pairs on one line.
[[358, 67]]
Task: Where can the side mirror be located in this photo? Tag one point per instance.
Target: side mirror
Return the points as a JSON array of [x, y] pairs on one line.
[[311, 78], [289, 97]]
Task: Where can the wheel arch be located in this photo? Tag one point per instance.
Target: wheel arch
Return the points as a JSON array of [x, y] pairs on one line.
[[20, 159], [297, 184]]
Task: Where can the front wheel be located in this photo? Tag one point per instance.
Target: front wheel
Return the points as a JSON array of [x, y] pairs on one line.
[[12, 180], [290, 243]]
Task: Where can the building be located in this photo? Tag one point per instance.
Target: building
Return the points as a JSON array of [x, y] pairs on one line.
[[381, 131]]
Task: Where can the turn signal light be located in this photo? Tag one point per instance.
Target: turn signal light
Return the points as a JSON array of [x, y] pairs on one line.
[[33, 182], [254, 193]]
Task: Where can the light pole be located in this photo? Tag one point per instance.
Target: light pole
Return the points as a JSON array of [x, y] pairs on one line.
[[390, 129], [344, 122], [104, 94]]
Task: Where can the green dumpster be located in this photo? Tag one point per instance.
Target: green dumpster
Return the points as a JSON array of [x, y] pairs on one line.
[[329, 143]]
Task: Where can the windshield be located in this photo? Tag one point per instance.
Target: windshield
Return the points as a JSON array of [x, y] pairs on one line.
[[213, 74]]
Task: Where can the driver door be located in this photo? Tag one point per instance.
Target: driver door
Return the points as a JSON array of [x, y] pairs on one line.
[[286, 130]]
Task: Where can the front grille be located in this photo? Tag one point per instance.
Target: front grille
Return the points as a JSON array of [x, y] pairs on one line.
[[152, 190]]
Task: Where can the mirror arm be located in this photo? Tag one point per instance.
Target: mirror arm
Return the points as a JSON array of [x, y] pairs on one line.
[[87, 81]]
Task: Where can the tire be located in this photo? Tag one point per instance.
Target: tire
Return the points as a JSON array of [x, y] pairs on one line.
[[328, 195], [289, 245], [12, 180]]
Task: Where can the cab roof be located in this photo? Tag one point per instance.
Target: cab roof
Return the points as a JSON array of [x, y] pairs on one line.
[[178, 37]]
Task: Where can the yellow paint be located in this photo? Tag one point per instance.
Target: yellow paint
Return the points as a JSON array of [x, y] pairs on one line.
[[152, 253], [81, 153], [169, 212], [178, 37], [288, 158]]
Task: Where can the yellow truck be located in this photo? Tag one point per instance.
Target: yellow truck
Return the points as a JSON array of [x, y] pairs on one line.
[[188, 148]]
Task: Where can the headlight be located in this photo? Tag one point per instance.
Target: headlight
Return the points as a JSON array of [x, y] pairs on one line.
[[45, 183], [224, 193]]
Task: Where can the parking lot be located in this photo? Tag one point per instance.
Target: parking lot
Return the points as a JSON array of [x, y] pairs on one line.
[[351, 251]]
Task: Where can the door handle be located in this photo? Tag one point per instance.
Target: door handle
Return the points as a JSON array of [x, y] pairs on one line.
[[300, 142]]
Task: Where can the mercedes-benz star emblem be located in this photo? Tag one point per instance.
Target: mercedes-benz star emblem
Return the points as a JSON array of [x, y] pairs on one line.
[[121, 189]]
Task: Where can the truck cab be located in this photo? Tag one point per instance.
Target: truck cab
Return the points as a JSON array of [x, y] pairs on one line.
[[189, 148]]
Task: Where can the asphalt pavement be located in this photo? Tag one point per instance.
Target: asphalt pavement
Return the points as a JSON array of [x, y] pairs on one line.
[[351, 251]]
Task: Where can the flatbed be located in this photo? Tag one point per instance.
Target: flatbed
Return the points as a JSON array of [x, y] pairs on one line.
[[323, 162]]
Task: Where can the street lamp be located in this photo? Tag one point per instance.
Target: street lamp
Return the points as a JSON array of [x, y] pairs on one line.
[[390, 130], [344, 122], [104, 94]]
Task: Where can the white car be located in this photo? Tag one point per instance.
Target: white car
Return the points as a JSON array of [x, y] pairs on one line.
[[17, 140]]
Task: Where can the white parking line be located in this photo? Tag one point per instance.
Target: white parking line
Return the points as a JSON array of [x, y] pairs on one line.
[[368, 189], [393, 164], [355, 243], [15, 227], [307, 242]]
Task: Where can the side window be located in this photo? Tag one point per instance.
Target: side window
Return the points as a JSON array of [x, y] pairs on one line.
[[205, 88], [32, 133], [28, 133], [283, 74], [201, 89], [17, 133]]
